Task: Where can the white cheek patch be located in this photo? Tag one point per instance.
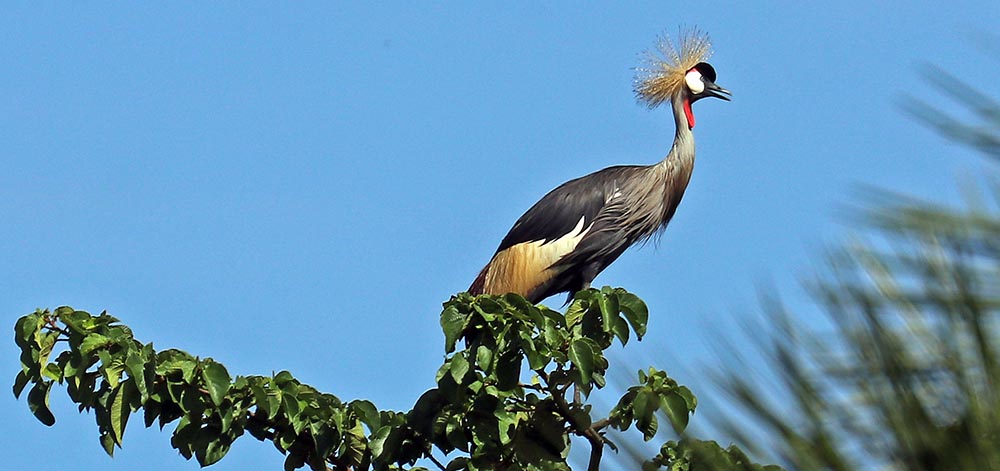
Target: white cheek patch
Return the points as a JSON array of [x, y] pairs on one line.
[[694, 82]]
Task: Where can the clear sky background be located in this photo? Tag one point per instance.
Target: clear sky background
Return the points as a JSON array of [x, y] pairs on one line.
[[300, 186]]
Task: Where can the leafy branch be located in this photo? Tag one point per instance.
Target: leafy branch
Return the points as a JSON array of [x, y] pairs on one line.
[[486, 412]]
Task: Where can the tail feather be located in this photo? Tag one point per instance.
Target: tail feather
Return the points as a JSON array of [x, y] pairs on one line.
[[479, 284]]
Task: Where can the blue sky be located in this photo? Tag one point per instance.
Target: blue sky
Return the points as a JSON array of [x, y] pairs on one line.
[[300, 186]]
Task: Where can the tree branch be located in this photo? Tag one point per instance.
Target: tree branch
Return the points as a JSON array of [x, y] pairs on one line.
[[591, 434]]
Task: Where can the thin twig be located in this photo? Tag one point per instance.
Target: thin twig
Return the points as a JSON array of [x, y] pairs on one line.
[[534, 387], [52, 326], [600, 424]]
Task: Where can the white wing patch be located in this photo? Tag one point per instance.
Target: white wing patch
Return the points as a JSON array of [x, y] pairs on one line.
[[617, 193], [523, 267]]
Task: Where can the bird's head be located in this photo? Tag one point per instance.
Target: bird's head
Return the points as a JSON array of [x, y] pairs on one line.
[[680, 77], [700, 83]]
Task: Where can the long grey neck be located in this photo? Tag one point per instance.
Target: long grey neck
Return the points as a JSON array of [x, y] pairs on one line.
[[682, 153], [661, 186]]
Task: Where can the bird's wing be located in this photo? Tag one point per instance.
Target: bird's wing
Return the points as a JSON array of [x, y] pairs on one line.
[[605, 238], [557, 214], [527, 258]]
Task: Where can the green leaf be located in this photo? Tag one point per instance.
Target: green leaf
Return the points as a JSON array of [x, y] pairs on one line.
[[689, 397], [507, 425], [452, 323], [217, 380], [599, 380], [522, 305], [38, 403], [454, 432], [25, 328], [489, 308], [459, 367], [283, 377], [676, 408], [443, 371], [53, 372], [377, 444], [80, 322], [543, 440], [620, 329], [20, 382], [111, 367], [355, 449], [508, 371], [262, 398], [172, 361], [213, 451], [294, 461], [484, 357], [136, 367], [635, 311], [119, 410], [108, 444], [582, 356], [536, 359], [93, 342], [225, 418], [643, 407], [46, 340], [553, 336], [150, 411], [458, 464], [74, 364], [367, 413], [608, 303], [576, 310]]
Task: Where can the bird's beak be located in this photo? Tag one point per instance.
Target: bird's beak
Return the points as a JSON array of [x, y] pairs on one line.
[[713, 90]]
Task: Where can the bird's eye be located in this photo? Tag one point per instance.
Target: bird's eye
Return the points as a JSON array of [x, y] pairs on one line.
[[694, 82]]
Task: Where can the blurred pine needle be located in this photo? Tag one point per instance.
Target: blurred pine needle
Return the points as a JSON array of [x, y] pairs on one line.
[[907, 374], [902, 370]]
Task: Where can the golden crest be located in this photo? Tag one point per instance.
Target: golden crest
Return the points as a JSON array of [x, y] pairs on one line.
[[662, 73]]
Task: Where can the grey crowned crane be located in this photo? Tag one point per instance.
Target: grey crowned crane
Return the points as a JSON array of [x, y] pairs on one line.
[[575, 231]]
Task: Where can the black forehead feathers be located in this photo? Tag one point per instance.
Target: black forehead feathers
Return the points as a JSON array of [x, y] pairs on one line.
[[706, 70]]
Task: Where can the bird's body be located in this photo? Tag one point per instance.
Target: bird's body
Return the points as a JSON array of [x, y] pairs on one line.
[[578, 229]]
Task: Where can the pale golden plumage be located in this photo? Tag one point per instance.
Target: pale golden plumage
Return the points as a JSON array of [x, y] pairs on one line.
[[524, 267]]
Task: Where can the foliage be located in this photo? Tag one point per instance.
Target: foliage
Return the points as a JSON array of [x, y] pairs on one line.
[[697, 455], [487, 408], [907, 376], [107, 371]]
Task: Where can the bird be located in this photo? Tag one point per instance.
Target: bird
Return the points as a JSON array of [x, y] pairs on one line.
[[579, 228]]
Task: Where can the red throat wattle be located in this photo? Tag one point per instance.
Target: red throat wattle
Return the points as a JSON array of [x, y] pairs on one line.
[[689, 113]]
